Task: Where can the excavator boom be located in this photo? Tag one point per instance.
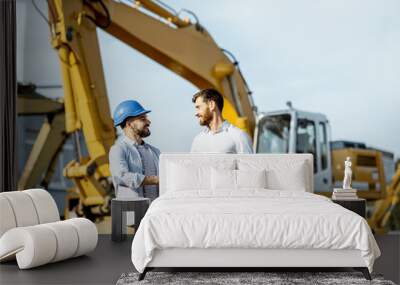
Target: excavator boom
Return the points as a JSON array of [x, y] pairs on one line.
[[179, 45]]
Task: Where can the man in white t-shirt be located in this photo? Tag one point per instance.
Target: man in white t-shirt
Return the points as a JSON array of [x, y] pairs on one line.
[[218, 136]]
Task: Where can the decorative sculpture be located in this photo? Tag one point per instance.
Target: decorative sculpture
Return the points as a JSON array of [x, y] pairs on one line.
[[347, 174]]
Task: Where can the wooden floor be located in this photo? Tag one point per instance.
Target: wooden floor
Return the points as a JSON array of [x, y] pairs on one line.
[[110, 259]]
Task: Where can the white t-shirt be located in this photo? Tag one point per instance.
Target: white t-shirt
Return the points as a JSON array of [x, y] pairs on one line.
[[228, 139]]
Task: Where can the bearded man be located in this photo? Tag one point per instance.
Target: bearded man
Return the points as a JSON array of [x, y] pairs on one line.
[[218, 136], [133, 162]]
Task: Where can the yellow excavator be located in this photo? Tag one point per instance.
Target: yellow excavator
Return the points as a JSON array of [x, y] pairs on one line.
[[50, 139], [181, 46], [184, 47], [385, 208]]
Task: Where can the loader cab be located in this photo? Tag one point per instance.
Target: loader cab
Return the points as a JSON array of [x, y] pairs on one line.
[[295, 131]]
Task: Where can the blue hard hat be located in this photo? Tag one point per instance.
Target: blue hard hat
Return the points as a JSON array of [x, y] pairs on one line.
[[125, 109]]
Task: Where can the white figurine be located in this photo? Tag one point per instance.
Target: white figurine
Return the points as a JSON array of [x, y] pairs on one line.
[[347, 174]]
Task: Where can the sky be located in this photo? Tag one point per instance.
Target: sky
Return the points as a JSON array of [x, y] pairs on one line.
[[340, 58]]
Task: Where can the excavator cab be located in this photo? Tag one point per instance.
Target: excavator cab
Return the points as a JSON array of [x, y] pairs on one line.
[[295, 131]]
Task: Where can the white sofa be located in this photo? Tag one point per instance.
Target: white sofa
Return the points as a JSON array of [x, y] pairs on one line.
[[31, 231], [277, 222]]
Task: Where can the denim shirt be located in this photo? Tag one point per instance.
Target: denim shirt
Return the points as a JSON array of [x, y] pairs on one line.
[[127, 168]]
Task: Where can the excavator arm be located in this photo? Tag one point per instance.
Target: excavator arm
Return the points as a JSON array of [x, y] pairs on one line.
[[384, 208], [181, 46], [48, 144]]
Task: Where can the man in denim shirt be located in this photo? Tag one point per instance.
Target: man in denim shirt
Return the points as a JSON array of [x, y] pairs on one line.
[[133, 163]]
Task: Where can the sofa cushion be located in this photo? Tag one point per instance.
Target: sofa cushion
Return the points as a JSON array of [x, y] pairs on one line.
[[7, 218], [27, 208], [67, 240], [32, 246], [23, 208], [87, 235], [40, 244], [45, 205]]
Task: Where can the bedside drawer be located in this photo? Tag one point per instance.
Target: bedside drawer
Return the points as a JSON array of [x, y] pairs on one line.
[[357, 206]]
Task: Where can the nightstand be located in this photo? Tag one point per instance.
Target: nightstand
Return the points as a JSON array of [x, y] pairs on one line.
[[119, 207], [357, 205]]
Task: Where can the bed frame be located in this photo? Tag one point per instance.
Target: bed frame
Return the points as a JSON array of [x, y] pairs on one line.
[[242, 259]]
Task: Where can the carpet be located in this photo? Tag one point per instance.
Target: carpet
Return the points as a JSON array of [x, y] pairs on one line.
[[229, 278]]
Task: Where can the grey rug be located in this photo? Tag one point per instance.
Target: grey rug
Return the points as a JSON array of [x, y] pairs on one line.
[[226, 278]]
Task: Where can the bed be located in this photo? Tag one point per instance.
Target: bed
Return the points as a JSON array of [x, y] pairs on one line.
[[241, 210]]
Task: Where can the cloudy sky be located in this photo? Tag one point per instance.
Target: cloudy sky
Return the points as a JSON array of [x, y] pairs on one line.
[[340, 58]]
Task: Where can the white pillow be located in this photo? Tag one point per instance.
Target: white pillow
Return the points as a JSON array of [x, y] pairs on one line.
[[282, 174], [292, 179], [181, 177], [186, 174], [223, 179], [251, 178]]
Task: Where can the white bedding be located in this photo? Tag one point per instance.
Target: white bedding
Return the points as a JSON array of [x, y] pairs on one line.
[[250, 219]]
